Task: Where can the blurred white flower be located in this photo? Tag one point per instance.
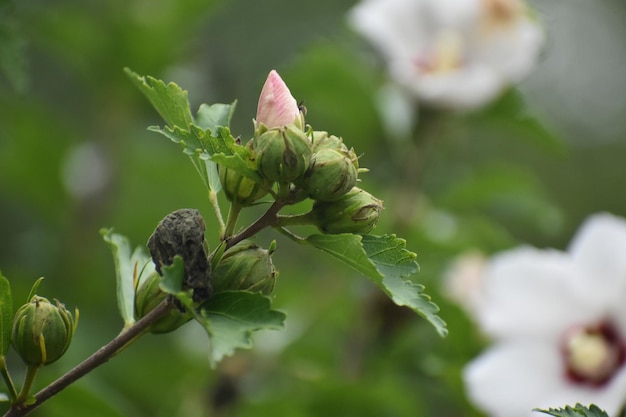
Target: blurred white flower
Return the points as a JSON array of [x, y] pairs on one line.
[[457, 54], [86, 170], [558, 320], [463, 281]]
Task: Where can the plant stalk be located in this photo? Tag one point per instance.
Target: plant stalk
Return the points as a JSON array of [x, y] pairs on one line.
[[4, 370], [98, 358], [231, 221], [266, 220], [31, 373]]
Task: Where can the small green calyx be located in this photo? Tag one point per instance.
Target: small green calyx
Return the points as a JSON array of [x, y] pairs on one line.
[[283, 153], [356, 212], [331, 175], [247, 267], [42, 331], [148, 296], [240, 189]]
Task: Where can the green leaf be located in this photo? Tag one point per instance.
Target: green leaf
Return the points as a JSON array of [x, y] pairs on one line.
[[348, 249], [243, 166], [168, 99], [205, 149], [6, 315], [201, 142], [385, 261], [130, 269], [33, 289], [216, 115], [578, 410], [173, 276], [230, 318]]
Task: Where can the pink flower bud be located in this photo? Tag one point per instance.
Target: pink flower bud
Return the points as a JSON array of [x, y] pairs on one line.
[[277, 107]]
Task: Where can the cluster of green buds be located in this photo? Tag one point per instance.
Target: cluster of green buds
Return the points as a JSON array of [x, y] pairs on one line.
[[42, 331], [316, 164]]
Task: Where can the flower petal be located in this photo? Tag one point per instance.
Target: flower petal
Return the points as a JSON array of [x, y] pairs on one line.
[[509, 379], [599, 252], [465, 88], [491, 56], [276, 107], [528, 294]]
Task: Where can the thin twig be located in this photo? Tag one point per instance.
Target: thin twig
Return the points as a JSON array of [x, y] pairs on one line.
[[98, 358], [266, 220]]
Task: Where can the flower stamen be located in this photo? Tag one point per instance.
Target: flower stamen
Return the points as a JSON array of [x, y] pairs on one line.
[[593, 354], [446, 56]]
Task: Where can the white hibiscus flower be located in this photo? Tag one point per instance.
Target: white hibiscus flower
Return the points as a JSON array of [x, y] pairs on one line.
[[457, 54], [558, 320]]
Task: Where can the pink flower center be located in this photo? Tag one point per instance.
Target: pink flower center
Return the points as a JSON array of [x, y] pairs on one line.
[[592, 354], [445, 55]]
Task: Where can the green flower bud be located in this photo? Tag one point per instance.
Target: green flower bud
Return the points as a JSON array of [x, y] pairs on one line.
[[148, 296], [283, 153], [42, 331], [330, 176], [356, 212], [245, 266], [240, 189], [322, 140]]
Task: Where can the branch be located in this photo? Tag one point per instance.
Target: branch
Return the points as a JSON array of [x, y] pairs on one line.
[[101, 356], [267, 219]]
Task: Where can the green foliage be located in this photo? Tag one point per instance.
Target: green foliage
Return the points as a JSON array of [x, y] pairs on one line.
[[488, 181], [130, 267], [168, 99], [6, 315], [578, 410], [511, 114], [12, 43], [229, 317], [385, 261]]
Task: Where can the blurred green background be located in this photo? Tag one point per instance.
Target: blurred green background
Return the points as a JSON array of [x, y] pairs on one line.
[[75, 156]]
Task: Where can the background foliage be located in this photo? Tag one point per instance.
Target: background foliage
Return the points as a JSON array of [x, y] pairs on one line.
[[75, 156]]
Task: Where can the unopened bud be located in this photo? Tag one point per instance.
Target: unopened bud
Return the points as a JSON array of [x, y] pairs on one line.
[[148, 296], [247, 267], [322, 140], [356, 212], [42, 331], [241, 189], [331, 175], [277, 107], [283, 154]]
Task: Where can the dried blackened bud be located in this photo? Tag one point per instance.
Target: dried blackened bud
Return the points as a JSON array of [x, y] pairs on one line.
[[182, 233]]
